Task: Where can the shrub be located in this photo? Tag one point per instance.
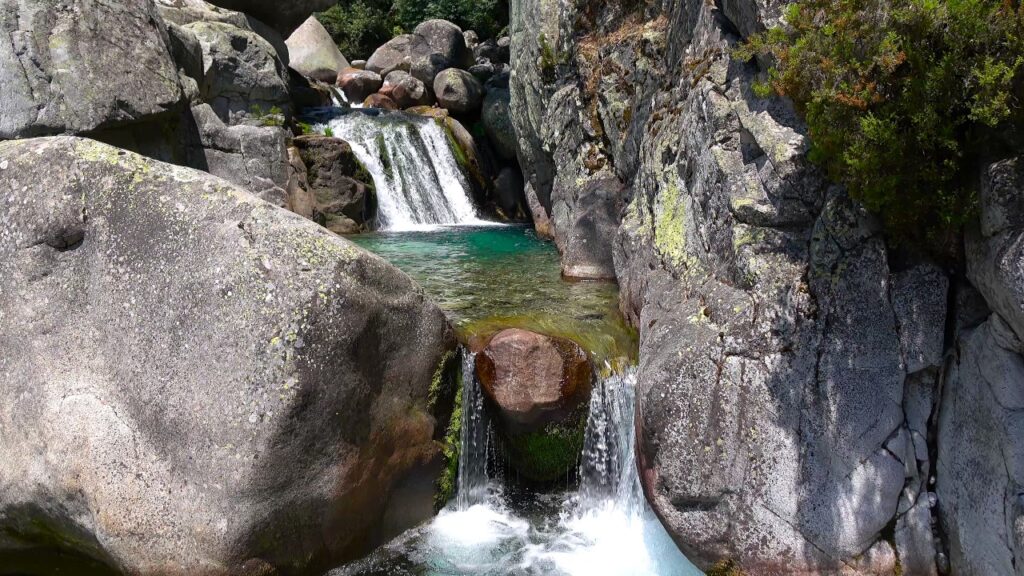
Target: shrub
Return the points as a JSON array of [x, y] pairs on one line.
[[902, 99]]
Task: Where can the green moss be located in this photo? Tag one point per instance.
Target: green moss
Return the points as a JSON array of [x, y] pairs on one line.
[[549, 454], [669, 222], [725, 568], [447, 483]]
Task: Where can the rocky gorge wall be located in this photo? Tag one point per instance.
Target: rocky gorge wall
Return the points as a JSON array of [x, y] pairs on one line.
[[811, 400]]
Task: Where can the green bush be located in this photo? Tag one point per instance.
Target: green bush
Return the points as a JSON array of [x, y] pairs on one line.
[[902, 99], [360, 26]]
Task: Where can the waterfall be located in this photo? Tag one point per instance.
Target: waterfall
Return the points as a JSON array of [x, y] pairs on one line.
[[418, 180], [607, 468], [474, 439]]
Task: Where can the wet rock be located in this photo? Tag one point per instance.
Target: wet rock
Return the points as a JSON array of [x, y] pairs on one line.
[[164, 457], [539, 386], [60, 72], [405, 90], [379, 101], [340, 185], [458, 91], [313, 53], [358, 84]]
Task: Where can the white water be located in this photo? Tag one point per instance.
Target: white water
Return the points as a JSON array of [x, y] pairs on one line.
[[606, 528], [418, 180]]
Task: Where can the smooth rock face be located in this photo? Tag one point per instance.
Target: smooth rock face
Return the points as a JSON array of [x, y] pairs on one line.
[[458, 91], [343, 197], [253, 157], [283, 16], [358, 84], [498, 123], [539, 387], [508, 192], [979, 472], [981, 422], [60, 71], [313, 53], [196, 340]]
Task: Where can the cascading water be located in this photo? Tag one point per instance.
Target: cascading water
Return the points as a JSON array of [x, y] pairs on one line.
[[474, 441], [606, 527], [418, 180]]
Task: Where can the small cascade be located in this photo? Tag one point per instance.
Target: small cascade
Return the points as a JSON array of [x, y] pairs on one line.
[[418, 180], [474, 439], [607, 468]]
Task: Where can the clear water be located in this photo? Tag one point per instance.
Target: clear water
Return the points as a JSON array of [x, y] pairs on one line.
[[488, 279], [605, 528], [418, 181]]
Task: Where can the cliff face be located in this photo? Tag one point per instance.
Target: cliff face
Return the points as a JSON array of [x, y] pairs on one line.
[[797, 379]]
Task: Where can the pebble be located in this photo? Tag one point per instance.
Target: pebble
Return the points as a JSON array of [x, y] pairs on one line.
[[3, 165]]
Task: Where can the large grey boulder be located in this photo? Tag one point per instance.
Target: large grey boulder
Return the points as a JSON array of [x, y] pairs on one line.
[[283, 16], [397, 54], [432, 47], [243, 76], [60, 70], [458, 91], [313, 53], [446, 40], [195, 381]]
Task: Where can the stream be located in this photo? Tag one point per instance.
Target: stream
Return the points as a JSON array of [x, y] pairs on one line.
[[597, 521]]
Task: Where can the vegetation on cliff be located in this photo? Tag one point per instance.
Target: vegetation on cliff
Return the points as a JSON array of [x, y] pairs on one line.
[[360, 26], [902, 99]]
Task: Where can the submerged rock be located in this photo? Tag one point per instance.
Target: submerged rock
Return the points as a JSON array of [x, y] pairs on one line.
[[539, 386], [313, 53], [227, 387]]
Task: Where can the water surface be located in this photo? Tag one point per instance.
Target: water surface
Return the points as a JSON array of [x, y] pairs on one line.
[[491, 278]]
